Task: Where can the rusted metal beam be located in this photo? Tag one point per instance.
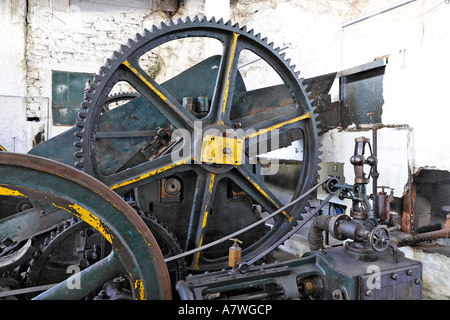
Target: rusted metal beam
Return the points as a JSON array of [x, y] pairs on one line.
[[409, 208], [412, 239]]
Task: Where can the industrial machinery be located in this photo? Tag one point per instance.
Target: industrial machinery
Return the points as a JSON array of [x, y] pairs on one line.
[[134, 197]]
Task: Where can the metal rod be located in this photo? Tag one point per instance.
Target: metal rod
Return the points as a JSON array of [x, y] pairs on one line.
[[26, 290], [410, 239], [209, 245], [125, 134], [377, 12]]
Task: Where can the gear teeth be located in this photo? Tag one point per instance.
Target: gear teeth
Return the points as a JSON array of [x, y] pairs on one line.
[[78, 154], [79, 165], [137, 37], [80, 123], [82, 115], [151, 33], [145, 33], [130, 43]]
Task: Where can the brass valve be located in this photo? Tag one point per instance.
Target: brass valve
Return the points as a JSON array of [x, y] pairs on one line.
[[234, 254]]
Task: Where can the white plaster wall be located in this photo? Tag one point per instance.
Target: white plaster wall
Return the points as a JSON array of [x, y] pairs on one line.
[[309, 28], [435, 270], [414, 84], [14, 132], [80, 37]]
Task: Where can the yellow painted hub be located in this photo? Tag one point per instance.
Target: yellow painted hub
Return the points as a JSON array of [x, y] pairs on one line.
[[220, 150]]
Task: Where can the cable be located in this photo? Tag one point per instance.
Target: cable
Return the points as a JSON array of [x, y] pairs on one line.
[[206, 246], [406, 19], [243, 266]]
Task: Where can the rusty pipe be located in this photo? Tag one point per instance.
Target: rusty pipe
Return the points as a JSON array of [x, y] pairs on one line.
[[412, 239]]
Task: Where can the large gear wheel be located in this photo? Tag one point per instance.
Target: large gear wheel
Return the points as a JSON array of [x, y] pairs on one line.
[[215, 198], [135, 251], [76, 243]]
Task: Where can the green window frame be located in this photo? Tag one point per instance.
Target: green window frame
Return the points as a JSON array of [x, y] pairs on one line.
[[67, 96]]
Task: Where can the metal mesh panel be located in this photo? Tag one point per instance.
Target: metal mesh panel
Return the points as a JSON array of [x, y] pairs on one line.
[[361, 94], [328, 112]]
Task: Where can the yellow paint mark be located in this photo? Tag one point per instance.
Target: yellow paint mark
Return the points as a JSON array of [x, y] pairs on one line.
[[10, 192], [279, 125], [205, 220], [134, 70], [140, 288], [268, 197], [227, 84], [149, 174], [89, 218], [211, 183], [220, 150], [197, 257]]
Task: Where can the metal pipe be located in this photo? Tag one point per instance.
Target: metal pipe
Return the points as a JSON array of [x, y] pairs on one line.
[[184, 290], [315, 234], [412, 239], [377, 12], [409, 239]]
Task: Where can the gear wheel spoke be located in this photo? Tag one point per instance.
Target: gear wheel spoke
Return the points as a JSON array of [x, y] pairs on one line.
[[135, 249], [283, 112], [170, 108]]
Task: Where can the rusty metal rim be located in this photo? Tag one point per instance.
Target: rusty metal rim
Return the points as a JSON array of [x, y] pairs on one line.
[[64, 172]]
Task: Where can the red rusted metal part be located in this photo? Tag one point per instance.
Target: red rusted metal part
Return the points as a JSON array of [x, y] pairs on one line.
[[412, 239], [408, 215]]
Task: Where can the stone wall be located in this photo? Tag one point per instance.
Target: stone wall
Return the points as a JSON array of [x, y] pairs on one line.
[[79, 37]]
